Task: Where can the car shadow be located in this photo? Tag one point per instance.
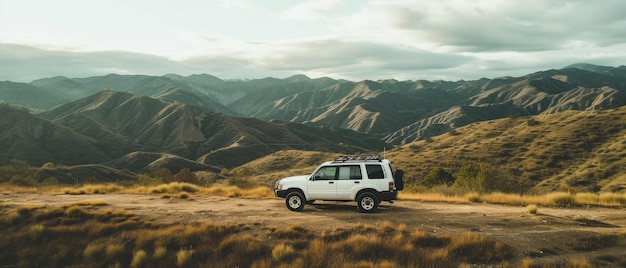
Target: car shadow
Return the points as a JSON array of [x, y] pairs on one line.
[[336, 206]]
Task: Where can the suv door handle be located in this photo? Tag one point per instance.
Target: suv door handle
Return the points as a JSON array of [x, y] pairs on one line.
[[331, 182], [357, 182]]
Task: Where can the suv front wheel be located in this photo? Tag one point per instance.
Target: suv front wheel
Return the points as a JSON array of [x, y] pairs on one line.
[[367, 202], [295, 201]]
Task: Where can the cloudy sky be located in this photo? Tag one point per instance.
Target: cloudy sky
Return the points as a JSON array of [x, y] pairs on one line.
[[349, 39]]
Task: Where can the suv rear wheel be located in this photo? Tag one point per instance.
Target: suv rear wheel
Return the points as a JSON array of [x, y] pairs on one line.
[[295, 201], [367, 202]]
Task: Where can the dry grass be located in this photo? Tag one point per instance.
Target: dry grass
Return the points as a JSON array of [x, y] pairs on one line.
[[556, 199], [102, 238], [93, 189], [181, 190], [234, 191], [433, 197]]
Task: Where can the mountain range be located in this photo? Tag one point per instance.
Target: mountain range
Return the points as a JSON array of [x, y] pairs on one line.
[[142, 123]]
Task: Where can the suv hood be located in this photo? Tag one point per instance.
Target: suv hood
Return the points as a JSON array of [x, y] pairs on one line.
[[295, 178]]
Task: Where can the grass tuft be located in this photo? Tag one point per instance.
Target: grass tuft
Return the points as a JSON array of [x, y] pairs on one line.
[[283, 252], [183, 257], [532, 209], [93, 251], [159, 252], [139, 258], [115, 251], [35, 231]]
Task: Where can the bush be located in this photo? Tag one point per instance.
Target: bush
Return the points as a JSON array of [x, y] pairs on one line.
[[241, 182], [50, 181], [438, 176], [484, 178], [185, 175], [19, 172], [147, 180], [23, 181]]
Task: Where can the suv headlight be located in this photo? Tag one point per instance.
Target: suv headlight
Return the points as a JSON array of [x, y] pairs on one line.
[[278, 185]]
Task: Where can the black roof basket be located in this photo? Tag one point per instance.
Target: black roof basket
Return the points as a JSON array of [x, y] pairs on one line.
[[359, 158]]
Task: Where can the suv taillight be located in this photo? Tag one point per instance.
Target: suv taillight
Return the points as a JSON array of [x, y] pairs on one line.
[[391, 186]]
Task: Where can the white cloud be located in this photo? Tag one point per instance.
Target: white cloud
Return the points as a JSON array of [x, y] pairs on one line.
[[312, 10], [455, 26], [376, 39]]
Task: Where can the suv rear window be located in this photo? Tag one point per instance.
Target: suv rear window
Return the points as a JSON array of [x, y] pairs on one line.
[[350, 172], [375, 171]]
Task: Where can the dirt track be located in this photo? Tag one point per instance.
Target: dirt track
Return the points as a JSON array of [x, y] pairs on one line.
[[551, 233]]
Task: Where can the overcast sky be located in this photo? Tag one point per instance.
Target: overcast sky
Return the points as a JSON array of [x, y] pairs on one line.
[[349, 39]]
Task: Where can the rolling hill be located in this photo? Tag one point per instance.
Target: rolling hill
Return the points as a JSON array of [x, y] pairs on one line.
[[110, 125], [566, 151], [582, 151], [142, 123]]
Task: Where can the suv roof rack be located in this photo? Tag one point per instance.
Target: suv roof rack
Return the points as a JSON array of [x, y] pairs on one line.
[[358, 158]]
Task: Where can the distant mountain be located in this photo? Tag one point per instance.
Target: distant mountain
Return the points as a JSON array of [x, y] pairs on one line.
[[123, 123], [396, 112], [595, 68], [29, 137], [539, 93], [28, 96]]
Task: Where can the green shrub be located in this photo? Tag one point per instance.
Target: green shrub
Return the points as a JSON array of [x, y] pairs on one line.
[[147, 180], [438, 176]]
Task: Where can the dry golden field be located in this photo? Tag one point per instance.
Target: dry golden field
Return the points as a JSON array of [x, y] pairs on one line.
[[190, 226]]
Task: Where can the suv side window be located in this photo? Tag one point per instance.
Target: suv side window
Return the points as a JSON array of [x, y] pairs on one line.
[[375, 171], [326, 173], [350, 173]]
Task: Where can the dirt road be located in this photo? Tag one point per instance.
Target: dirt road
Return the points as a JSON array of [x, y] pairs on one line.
[[556, 232]]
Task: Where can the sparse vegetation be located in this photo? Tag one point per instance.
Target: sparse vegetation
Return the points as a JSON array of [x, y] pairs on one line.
[[227, 245]]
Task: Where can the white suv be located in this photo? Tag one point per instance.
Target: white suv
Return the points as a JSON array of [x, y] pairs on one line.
[[366, 180]]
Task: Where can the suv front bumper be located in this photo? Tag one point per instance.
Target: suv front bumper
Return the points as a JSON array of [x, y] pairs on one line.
[[280, 193]]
